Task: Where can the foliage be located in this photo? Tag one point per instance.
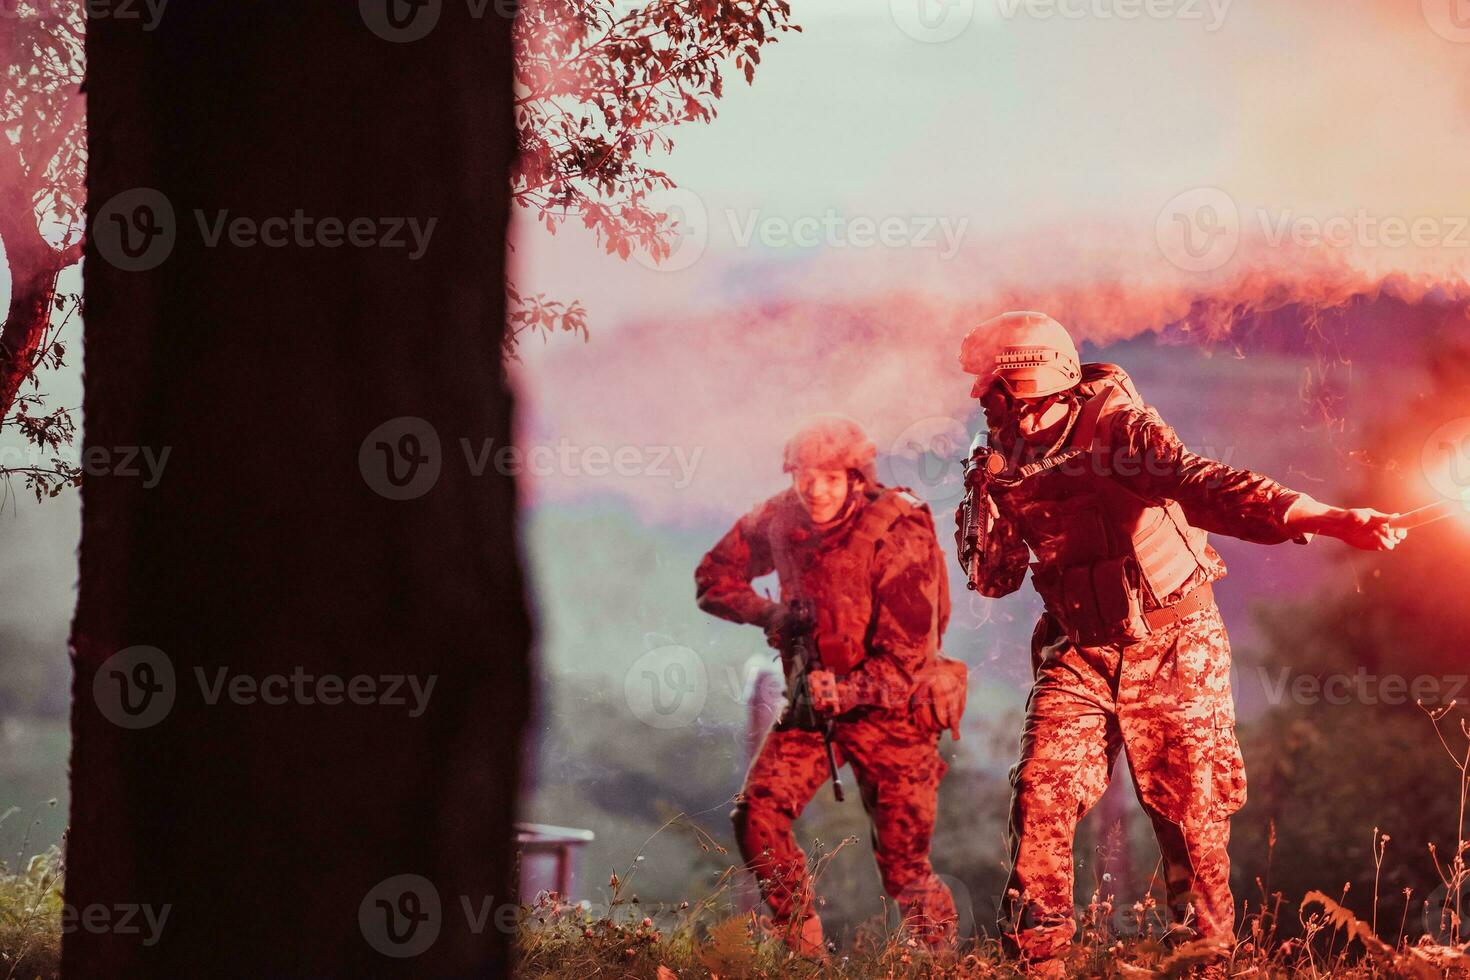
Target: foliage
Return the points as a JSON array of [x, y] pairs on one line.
[[49, 473], [539, 314], [41, 109], [43, 158], [599, 86]]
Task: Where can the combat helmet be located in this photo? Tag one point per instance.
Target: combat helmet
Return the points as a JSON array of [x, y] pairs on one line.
[[831, 442], [1029, 353]]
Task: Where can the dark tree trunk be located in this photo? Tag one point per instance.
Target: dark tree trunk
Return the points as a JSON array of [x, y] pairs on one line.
[[268, 547]]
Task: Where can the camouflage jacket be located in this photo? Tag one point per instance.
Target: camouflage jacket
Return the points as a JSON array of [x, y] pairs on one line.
[[1139, 451], [877, 580]]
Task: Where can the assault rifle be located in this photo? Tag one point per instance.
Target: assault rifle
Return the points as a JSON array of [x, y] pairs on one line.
[[983, 467], [806, 657]]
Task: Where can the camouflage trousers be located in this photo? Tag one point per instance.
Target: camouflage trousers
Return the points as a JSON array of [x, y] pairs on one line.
[[898, 770], [1166, 702]]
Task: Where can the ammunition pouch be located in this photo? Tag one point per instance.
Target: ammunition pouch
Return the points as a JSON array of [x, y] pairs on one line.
[[1097, 604], [813, 650]]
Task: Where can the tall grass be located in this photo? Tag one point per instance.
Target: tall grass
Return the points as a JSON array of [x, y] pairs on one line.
[[709, 938], [30, 918]]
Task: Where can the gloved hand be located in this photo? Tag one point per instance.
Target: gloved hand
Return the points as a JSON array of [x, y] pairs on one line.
[[938, 700], [781, 625]]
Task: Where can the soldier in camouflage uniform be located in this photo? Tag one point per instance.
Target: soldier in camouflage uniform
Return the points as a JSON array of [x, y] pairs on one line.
[[1131, 653], [866, 556]]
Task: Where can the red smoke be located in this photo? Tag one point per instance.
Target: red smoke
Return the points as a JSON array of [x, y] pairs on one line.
[[727, 357], [731, 387]]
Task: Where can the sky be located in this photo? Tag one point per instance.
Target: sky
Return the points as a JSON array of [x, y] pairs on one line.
[[1122, 171]]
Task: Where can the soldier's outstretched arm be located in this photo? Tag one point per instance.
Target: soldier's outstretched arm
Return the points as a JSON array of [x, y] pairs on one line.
[[1146, 455], [722, 580]]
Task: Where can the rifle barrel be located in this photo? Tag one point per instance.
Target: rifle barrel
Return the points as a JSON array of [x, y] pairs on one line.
[[832, 766]]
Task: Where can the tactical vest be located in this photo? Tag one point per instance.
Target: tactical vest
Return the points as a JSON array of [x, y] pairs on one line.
[[1106, 555], [835, 569]]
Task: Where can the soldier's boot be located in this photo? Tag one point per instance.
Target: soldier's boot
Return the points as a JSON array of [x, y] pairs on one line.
[[804, 938], [927, 907]]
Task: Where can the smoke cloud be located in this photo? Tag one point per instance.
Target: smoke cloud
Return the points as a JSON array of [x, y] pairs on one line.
[[1304, 158]]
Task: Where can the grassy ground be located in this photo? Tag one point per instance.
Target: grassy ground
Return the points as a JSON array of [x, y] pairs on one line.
[[1315, 939], [707, 937], [564, 943], [30, 918], [708, 940]]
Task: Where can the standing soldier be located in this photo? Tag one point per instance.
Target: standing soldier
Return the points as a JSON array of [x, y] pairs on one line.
[[865, 559], [1131, 652]]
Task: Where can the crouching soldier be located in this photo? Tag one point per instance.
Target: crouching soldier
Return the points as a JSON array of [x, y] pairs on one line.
[[864, 560], [1131, 652]]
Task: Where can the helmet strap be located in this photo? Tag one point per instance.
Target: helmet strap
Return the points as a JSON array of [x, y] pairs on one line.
[[1073, 414]]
